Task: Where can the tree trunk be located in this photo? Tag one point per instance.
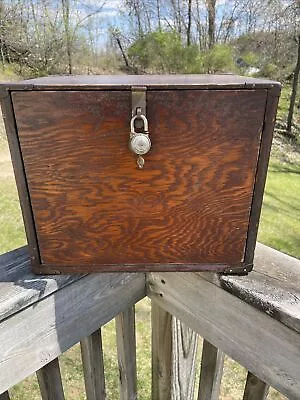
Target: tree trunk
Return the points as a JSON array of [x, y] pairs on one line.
[[158, 14], [211, 10], [66, 16], [188, 31], [294, 90], [122, 52]]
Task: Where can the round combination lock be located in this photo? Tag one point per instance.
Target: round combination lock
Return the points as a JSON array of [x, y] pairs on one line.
[[140, 143]]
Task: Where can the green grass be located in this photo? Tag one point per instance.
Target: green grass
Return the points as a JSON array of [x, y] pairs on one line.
[[280, 221]]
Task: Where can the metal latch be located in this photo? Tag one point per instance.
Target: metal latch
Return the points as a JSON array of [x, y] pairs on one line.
[[139, 142]]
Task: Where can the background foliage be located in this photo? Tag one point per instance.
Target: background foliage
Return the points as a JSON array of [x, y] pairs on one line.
[[250, 37]]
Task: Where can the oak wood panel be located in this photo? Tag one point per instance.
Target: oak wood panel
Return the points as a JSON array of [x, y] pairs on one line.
[[189, 205]]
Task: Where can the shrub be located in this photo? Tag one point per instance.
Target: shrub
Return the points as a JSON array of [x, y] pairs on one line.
[[163, 51]]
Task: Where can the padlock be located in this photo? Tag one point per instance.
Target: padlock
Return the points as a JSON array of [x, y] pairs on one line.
[[139, 143]]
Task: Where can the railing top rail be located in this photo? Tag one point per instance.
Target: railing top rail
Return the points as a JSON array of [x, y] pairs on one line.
[[19, 287], [273, 286]]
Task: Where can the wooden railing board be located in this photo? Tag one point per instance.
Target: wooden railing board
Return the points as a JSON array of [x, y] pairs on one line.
[[126, 347], [50, 382], [34, 336], [261, 344], [20, 288], [62, 318], [255, 389], [184, 353], [212, 364], [277, 265], [93, 366], [268, 295], [273, 287], [174, 351], [161, 323]]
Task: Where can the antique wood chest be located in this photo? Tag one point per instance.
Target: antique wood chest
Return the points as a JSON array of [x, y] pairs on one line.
[[140, 173]]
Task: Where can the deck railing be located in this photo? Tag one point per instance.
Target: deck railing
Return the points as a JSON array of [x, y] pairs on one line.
[[254, 319]]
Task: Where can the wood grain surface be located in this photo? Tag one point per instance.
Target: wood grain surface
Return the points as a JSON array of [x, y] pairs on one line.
[[189, 205], [152, 82]]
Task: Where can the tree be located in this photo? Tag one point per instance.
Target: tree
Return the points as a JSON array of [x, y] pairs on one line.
[[211, 11], [189, 25], [294, 89], [66, 19]]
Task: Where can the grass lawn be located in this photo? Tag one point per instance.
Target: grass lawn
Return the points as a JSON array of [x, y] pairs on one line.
[[279, 228]]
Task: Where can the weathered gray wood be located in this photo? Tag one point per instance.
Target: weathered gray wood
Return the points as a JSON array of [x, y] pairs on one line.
[[277, 265], [19, 287], [212, 364], [273, 287], [50, 383], [184, 352], [93, 366], [36, 335], [126, 346], [161, 353], [255, 389], [4, 396], [260, 343]]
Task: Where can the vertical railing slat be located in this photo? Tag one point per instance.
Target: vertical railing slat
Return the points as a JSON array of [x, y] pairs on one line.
[[184, 352], [212, 364], [50, 383], [161, 353], [126, 347], [255, 389], [93, 366], [4, 396]]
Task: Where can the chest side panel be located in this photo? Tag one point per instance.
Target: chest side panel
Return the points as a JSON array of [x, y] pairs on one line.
[[190, 203]]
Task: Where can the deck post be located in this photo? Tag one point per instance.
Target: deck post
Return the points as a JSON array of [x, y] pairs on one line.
[[184, 352], [174, 349], [255, 389], [161, 353], [212, 363], [126, 346], [4, 396], [93, 366], [50, 383]]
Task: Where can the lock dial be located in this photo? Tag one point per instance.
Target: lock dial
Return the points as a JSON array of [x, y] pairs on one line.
[[140, 143]]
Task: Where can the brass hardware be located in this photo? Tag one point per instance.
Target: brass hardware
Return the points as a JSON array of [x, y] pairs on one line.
[[139, 142]]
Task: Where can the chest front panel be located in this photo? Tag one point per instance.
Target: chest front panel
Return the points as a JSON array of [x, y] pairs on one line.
[[191, 202]]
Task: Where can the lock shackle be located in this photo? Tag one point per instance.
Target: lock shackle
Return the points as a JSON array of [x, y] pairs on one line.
[[143, 118]]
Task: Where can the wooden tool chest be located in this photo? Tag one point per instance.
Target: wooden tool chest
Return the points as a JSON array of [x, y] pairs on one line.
[[140, 173]]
